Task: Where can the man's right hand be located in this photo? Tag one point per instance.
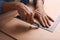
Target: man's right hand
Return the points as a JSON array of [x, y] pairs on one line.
[[23, 10]]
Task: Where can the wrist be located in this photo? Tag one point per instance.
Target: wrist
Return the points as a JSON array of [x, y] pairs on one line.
[[40, 8], [39, 3], [8, 6]]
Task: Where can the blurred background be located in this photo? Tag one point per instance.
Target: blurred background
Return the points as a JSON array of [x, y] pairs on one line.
[[52, 7]]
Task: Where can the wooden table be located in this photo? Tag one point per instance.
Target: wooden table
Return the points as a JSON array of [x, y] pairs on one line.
[[52, 8]]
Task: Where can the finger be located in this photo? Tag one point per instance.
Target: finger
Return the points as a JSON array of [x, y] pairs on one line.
[[33, 27], [45, 21], [24, 15], [32, 18], [41, 21], [50, 18], [29, 18], [48, 21]]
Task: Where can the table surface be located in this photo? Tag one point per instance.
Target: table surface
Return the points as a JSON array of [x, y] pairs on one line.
[[52, 8]]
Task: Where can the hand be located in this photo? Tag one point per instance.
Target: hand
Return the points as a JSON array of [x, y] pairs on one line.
[[43, 18], [23, 10], [25, 13]]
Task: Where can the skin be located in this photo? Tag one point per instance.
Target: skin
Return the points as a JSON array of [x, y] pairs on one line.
[[23, 10], [43, 18], [15, 8], [28, 15]]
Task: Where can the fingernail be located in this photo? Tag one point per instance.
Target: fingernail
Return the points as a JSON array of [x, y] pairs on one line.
[[34, 27], [47, 26]]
